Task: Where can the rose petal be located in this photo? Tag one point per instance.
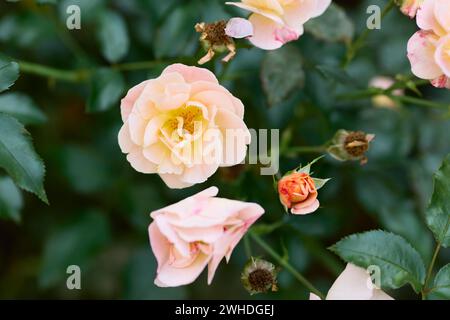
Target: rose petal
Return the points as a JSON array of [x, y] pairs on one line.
[[239, 28], [421, 50], [127, 103], [191, 74], [264, 32]]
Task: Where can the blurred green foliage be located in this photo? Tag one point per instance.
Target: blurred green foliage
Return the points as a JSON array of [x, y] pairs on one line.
[[99, 206]]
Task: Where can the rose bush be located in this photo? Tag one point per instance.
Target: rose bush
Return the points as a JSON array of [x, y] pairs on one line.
[[308, 99]]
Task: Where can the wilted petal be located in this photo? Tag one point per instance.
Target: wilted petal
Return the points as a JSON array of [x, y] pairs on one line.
[[239, 28]]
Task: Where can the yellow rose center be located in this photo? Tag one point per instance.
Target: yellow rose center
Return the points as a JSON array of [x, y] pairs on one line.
[[187, 119]]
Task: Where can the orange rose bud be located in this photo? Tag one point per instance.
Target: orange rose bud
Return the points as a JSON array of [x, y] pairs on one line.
[[298, 193]]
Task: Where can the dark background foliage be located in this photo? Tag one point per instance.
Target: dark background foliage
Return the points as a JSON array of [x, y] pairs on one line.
[[99, 206]]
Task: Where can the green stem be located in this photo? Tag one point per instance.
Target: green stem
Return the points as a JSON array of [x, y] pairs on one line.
[[307, 149], [313, 246], [286, 265], [248, 248], [430, 271], [80, 75], [370, 92], [355, 46], [420, 102], [53, 73]]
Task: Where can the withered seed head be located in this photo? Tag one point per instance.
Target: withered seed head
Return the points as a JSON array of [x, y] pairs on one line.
[[259, 276], [214, 33], [356, 143], [215, 40], [261, 280]]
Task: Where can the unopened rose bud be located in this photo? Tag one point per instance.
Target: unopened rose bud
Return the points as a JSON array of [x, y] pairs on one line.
[[259, 276], [381, 100], [350, 145], [298, 191], [215, 40], [410, 7]]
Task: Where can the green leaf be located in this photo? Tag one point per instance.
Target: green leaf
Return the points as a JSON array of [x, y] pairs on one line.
[[9, 72], [399, 262], [113, 36], [319, 183], [75, 243], [11, 201], [18, 157], [176, 36], [89, 9], [282, 74], [333, 26], [21, 107], [47, 1], [107, 87], [438, 212], [441, 285], [337, 74], [85, 169]]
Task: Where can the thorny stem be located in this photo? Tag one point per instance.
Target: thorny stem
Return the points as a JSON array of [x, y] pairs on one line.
[[286, 265], [360, 41]]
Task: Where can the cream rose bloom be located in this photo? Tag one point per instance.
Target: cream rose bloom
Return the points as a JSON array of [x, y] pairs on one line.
[[354, 283], [183, 126], [196, 232], [429, 48], [276, 22]]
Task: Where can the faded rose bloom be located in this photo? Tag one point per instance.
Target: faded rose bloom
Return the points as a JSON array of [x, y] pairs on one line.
[[384, 101], [410, 7], [354, 283], [350, 145], [298, 191], [183, 126], [217, 37], [196, 232], [276, 22], [428, 49]]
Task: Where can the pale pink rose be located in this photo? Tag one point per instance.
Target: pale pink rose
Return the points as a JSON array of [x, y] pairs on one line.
[[276, 22], [384, 101], [354, 283], [183, 126], [196, 232], [410, 7], [429, 48]]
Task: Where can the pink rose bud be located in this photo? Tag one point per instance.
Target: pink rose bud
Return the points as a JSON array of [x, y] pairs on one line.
[[298, 192], [239, 28], [381, 100]]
